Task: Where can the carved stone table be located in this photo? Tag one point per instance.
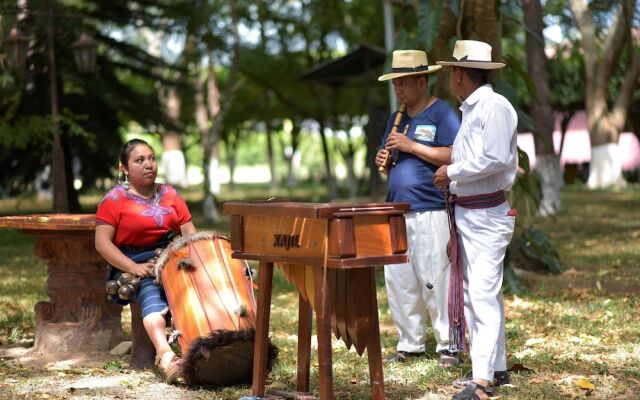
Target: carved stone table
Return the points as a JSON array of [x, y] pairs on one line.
[[78, 316]]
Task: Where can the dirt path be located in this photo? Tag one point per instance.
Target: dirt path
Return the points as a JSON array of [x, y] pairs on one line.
[[91, 376]]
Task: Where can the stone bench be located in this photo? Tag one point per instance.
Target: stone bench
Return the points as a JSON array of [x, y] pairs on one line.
[[142, 351], [78, 318]]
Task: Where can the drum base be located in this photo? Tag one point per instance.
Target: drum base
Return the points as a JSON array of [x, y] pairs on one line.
[[223, 358]]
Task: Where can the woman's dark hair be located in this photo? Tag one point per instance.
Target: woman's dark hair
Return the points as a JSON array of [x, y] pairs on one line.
[[125, 153]]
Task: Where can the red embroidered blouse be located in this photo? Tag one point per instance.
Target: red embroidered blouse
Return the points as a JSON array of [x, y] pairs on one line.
[[142, 222]]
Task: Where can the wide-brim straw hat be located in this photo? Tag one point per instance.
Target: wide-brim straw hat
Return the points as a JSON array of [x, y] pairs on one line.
[[472, 54], [409, 62]]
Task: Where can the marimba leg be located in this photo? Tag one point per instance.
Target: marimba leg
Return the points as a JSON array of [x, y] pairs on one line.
[[374, 354], [263, 313], [305, 313], [323, 327]]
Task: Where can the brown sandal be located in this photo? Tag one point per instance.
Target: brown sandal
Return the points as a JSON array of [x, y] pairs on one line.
[[172, 372], [448, 359], [469, 393]]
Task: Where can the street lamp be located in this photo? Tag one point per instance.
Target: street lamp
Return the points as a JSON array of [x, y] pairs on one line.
[[16, 46], [84, 53]]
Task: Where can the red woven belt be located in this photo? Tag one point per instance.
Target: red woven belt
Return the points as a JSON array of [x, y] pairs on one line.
[[480, 200]]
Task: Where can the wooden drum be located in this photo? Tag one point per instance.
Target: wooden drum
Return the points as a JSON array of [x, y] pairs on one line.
[[211, 300]]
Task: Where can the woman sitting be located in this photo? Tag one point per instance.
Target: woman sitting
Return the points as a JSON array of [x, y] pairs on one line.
[[134, 219]]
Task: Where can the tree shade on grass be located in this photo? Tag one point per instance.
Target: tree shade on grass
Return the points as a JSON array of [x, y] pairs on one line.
[[570, 335]]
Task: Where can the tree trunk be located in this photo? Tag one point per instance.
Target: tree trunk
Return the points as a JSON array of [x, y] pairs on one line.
[[482, 22], [477, 20], [72, 194], [209, 137], [331, 183], [209, 163], [604, 121], [606, 167], [232, 147], [214, 112], [374, 130], [442, 51], [290, 156], [272, 165], [209, 206], [541, 112], [173, 161], [352, 180], [210, 210], [552, 181]]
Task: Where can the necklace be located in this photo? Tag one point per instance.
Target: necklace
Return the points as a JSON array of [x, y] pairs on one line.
[[430, 100]]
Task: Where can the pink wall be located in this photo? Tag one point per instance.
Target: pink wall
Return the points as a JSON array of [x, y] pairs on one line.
[[577, 145]]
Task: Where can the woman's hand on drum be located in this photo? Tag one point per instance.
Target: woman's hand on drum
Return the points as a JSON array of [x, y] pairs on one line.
[[142, 270]]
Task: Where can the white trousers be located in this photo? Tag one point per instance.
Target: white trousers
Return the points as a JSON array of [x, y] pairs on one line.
[[410, 302], [484, 236]]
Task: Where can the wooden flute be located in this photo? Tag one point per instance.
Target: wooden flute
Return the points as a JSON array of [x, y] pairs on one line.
[[394, 129], [394, 161]]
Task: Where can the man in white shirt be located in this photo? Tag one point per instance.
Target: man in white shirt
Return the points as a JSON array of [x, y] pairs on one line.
[[484, 163]]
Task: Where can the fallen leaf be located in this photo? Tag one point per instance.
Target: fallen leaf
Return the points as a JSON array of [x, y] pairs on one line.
[[534, 341], [525, 353], [584, 384]]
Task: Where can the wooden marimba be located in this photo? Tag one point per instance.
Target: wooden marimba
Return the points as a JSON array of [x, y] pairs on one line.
[[329, 252]]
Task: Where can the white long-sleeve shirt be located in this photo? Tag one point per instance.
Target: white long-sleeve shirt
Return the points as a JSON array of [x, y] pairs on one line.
[[484, 155]]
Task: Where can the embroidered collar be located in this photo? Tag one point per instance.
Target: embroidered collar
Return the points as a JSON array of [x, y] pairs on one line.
[[159, 192]]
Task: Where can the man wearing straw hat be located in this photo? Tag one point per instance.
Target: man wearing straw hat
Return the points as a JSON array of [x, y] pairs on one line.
[[483, 166], [412, 151]]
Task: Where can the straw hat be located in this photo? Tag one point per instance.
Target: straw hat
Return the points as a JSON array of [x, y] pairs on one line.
[[472, 54], [409, 62]]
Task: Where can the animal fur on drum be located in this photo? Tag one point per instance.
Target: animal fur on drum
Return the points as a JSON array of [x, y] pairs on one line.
[[177, 245], [220, 359], [185, 263]]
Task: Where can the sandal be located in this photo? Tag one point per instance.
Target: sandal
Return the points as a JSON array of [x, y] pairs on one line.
[[469, 393], [448, 359], [499, 378], [173, 371], [402, 356]]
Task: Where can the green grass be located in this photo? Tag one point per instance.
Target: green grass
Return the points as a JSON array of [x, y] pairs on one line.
[[22, 284], [582, 324]]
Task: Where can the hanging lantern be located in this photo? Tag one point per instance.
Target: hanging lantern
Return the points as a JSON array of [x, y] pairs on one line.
[[84, 53], [16, 46]]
